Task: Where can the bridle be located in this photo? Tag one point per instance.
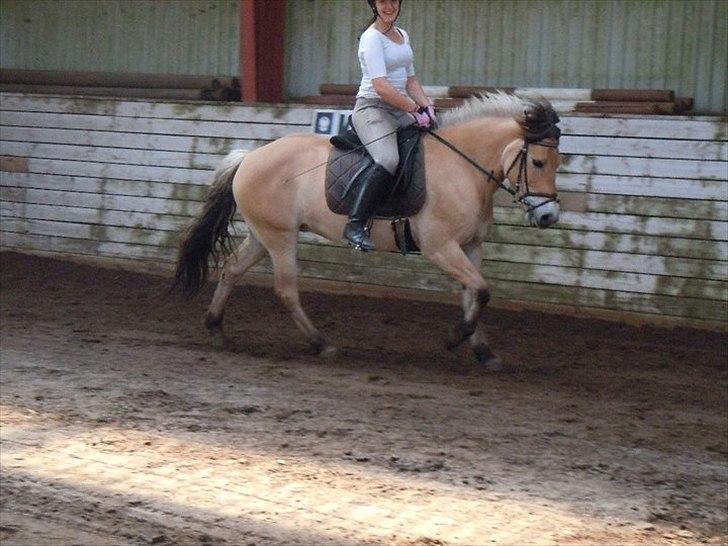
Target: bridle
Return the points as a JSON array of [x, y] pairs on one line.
[[522, 178]]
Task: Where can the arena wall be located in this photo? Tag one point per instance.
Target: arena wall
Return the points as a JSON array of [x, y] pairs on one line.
[[644, 232]]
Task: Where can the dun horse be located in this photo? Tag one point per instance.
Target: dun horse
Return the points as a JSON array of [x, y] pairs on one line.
[[279, 191]]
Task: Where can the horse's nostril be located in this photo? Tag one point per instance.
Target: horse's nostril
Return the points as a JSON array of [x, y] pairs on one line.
[[546, 220]]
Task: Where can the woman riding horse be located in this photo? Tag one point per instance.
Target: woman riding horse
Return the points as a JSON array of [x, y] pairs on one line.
[[279, 189], [389, 96]]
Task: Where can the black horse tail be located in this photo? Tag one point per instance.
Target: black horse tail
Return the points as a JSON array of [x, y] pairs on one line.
[[208, 235]]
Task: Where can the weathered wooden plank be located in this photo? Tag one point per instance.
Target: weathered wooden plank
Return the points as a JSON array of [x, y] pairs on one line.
[[124, 156], [635, 205], [639, 245], [648, 187], [643, 206], [617, 185], [672, 257], [686, 228], [580, 145], [639, 167], [106, 186], [579, 275], [644, 147], [655, 206], [194, 111], [623, 223], [647, 127], [658, 187], [100, 202], [607, 261], [13, 164], [711, 128], [164, 222], [317, 257], [92, 232], [641, 282], [224, 129], [105, 140], [592, 221], [574, 164], [114, 139], [519, 291], [120, 171], [610, 242]]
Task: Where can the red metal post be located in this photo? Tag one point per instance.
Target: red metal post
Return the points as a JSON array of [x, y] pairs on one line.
[[262, 27]]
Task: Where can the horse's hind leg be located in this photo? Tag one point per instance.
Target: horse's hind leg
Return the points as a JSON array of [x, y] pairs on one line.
[[285, 276], [478, 341], [250, 252]]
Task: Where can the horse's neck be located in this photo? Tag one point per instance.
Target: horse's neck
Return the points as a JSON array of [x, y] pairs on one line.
[[484, 139]]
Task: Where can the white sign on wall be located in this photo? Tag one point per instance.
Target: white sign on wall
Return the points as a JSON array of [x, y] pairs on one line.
[[330, 122]]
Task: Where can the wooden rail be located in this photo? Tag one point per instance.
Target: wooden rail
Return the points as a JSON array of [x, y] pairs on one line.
[[644, 230]]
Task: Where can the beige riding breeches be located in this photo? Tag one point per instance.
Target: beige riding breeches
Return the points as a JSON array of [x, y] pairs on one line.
[[376, 123]]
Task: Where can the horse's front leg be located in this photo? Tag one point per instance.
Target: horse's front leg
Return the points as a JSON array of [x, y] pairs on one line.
[[478, 341], [452, 259]]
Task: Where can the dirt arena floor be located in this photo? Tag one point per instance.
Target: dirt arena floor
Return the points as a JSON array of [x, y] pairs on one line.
[[122, 425]]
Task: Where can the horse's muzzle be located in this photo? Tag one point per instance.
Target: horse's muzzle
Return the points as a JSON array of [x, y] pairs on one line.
[[542, 212]]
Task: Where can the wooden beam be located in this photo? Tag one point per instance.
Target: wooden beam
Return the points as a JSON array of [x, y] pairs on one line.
[[261, 50]]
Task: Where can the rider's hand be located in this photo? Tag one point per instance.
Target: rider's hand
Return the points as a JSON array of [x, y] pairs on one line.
[[421, 118], [430, 110]]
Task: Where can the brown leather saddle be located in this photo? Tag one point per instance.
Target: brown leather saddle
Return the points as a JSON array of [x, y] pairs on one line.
[[348, 159]]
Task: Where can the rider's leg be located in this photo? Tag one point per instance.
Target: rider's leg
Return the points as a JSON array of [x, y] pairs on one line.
[[374, 184], [376, 124]]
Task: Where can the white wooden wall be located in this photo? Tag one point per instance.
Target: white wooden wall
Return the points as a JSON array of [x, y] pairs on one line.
[[644, 228]]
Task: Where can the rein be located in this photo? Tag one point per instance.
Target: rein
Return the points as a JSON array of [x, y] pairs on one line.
[[522, 172]]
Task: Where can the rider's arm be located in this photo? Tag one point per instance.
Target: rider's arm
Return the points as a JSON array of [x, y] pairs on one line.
[[393, 97], [414, 90]]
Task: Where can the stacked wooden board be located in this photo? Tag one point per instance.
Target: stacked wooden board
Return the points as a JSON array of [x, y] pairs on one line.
[[121, 84], [644, 229], [597, 101]]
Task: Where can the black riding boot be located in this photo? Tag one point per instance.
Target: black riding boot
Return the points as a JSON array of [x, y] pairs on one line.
[[372, 188]]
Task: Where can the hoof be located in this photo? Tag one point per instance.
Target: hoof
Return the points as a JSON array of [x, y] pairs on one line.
[[488, 359], [323, 349], [493, 364], [220, 340], [328, 352]]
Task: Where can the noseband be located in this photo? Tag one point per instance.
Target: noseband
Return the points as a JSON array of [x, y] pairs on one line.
[[522, 179]]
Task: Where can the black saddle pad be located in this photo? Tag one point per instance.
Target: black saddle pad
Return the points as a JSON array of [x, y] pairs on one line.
[[348, 159]]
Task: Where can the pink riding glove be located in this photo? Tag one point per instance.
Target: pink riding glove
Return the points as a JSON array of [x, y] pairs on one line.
[[421, 118], [431, 114]]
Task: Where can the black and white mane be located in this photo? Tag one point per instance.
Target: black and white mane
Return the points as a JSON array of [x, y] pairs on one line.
[[535, 114]]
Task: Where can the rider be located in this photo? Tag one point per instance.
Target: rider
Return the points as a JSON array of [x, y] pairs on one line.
[[389, 96]]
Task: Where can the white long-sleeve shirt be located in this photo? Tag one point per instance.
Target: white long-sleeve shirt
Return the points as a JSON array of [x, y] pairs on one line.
[[379, 56]]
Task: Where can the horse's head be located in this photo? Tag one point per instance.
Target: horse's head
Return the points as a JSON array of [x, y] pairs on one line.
[[531, 155], [531, 161]]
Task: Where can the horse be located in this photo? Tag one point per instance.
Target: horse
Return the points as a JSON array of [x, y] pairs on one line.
[[279, 191]]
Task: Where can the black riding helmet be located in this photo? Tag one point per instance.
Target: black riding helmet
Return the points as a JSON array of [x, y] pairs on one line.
[[373, 5]]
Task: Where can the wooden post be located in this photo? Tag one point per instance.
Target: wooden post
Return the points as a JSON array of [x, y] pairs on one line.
[[262, 25]]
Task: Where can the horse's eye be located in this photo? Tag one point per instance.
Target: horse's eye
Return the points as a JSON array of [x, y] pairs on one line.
[[538, 163]]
